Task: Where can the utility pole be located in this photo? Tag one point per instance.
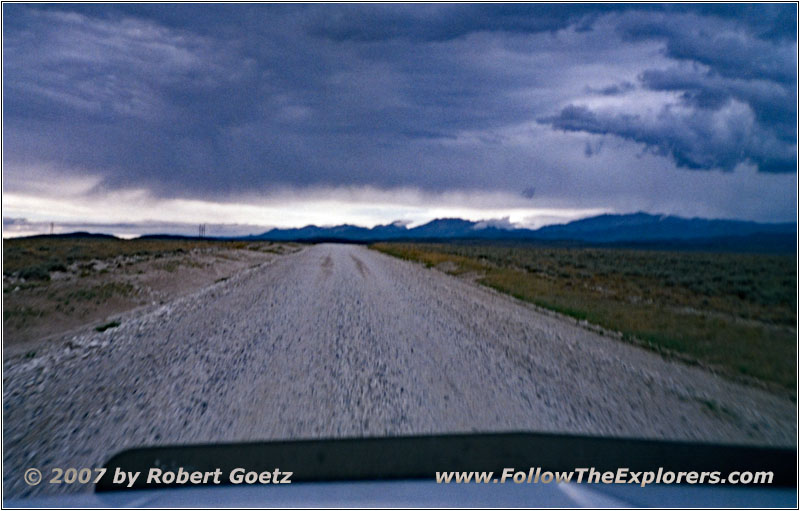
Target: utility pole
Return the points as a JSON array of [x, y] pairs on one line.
[[201, 230], [52, 225]]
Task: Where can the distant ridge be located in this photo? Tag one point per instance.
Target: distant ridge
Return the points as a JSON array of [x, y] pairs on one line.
[[646, 227], [637, 229], [78, 234], [172, 237]]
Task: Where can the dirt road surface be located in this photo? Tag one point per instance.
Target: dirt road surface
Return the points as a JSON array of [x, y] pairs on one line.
[[338, 340]]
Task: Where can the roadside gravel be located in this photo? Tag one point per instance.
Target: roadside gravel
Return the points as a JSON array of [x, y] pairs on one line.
[[338, 340]]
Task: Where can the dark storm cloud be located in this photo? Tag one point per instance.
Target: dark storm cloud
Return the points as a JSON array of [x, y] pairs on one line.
[[735, 84], [694, 139], [736, 48], [613, 89], [214, 100], [773, 104], [444, 22], [177, 109]]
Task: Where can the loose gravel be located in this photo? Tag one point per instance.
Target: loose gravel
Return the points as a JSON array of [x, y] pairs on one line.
[[341, 341]]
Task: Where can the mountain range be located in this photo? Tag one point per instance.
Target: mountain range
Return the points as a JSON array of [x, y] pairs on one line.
[[636, 228]]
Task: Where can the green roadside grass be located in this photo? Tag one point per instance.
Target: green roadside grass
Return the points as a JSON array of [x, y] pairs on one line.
[[733, 312]]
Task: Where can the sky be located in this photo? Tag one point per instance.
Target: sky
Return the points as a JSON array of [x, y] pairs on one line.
[[132, 118]]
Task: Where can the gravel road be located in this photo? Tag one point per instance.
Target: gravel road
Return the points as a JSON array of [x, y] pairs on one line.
[[338, 340]]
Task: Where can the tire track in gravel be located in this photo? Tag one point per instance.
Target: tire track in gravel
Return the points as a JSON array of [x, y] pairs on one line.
[[338, 340]]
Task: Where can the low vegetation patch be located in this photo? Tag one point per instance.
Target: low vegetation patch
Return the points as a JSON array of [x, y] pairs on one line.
[[100, 293], [20, 315], [35, 258], [55, 284], [736, 312]]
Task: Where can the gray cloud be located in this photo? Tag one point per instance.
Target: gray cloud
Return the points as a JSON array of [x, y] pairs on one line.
[[214, 101], [736, 94], [694, 138], [613, 89], [772, 103], [732, 48]]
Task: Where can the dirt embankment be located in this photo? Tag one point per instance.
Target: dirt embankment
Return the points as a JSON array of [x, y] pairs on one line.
[[97, 292]]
